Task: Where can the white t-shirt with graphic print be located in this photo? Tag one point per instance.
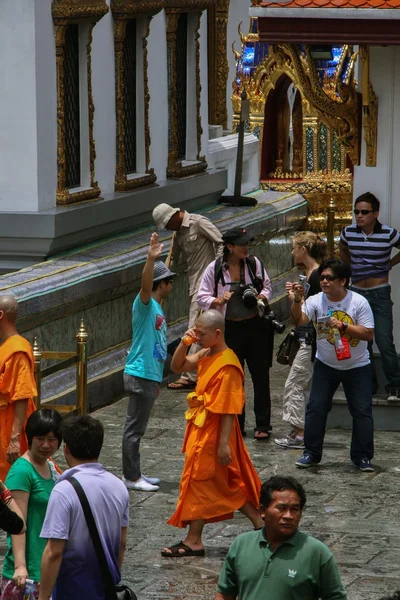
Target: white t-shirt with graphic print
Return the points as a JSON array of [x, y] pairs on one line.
[[355, 310]]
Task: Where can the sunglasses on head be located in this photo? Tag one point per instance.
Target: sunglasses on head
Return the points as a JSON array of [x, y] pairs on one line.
[[363, 211], [328, 277]]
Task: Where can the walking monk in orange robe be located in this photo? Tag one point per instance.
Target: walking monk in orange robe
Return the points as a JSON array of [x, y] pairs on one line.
[[17, 386], [218, 476]]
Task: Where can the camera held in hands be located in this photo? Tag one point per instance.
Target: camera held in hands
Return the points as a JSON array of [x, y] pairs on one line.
[[249, 297]]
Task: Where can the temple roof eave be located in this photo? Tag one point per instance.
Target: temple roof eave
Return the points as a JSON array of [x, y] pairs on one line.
[[298, 12]]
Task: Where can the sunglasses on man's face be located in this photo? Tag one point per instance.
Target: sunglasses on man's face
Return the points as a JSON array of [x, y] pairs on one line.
[[363, 211], [328, 277]]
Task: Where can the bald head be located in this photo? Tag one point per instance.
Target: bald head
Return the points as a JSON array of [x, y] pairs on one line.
[[212, 319], [8, 308]]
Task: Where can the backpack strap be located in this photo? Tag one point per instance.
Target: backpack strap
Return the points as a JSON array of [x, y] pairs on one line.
[[218, 275]]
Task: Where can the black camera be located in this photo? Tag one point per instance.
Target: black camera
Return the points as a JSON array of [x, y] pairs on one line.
[[270, 318], [249, 297]]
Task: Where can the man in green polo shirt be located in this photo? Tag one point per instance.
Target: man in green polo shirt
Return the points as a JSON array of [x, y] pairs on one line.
[[279, 561]]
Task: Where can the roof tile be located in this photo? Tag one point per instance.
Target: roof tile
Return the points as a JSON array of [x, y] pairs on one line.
[[381, 4]]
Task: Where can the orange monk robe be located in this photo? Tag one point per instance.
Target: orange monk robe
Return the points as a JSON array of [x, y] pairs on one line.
[[17, 382], [210, 491]]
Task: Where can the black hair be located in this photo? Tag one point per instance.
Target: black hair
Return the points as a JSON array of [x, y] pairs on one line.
[[339, 268], [43, 422], [370, 199], [279, 483], [156, 284], [84, 436]]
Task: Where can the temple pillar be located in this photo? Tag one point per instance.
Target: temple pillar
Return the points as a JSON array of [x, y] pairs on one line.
[[28, 146]]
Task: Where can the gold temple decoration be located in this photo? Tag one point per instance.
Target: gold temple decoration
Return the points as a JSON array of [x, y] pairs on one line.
[[340, 112], [66, 12], [123, 11], [323, 121], [370, 110], [174, 8], [218, 67]]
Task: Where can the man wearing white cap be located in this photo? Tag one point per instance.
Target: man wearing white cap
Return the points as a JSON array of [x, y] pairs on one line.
[[201, 242], [145, 363]]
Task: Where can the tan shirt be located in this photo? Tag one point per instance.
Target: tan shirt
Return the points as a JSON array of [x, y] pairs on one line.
[[201, 242]]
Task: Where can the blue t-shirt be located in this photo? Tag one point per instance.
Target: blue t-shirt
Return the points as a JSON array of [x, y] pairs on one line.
[[149, 341], [80, 575]]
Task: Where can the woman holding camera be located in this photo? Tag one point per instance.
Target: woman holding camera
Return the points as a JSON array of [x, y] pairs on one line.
[[239, 287], [308, 252]]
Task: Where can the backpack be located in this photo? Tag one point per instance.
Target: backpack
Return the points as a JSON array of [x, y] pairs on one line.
[[252, 267]]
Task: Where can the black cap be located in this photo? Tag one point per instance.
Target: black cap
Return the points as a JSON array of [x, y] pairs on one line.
[[238, 235]]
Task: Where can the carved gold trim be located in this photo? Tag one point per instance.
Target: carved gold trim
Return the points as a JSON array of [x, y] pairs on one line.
[[218, 62], [175, 168], [122, 181], [79, 10], [125, 9], [188, 5], [370, 110], [66, 12]]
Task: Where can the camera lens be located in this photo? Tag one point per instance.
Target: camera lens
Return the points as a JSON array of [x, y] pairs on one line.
[[249, 298]]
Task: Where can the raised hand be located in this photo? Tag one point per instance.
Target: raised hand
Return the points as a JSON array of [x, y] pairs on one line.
[[155, 248]]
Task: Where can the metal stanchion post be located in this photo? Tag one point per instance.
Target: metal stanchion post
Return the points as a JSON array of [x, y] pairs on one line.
[[37, 355], [330, 230], [81, 369], [237, 199]]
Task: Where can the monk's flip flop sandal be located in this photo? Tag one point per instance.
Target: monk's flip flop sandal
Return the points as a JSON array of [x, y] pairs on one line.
[[184, 551], [262, 438], [181, 386]]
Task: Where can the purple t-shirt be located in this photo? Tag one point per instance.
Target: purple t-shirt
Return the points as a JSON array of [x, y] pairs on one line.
[[80, 575]]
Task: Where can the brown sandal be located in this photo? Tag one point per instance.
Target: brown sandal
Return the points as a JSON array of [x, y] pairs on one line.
[[180, 385], [261, 435]]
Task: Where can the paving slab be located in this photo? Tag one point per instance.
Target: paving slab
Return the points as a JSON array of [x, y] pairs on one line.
[[356, 514]]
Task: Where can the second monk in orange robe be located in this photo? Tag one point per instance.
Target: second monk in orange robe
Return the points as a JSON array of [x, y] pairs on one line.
[[218, 476], [17, 386]]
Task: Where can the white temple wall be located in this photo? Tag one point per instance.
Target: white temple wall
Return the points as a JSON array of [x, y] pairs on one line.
[[103, 87], [18, 127], [158, 86], [384, 179], [46, 106]]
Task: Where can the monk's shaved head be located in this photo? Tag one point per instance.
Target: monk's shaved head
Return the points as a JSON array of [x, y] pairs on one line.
[[9, 307], [212, 319]]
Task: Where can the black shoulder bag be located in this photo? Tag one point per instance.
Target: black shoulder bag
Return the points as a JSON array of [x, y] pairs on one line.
[[114, 592]]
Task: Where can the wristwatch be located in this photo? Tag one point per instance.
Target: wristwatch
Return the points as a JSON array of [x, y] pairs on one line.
[[344, 326]]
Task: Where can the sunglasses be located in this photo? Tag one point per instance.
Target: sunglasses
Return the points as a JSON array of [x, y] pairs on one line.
[[328, 277], [363, 211]]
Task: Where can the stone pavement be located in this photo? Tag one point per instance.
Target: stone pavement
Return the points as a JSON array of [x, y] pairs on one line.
[[355, 514]]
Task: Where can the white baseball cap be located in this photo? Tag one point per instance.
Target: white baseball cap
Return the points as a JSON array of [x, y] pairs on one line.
[[162, 214]]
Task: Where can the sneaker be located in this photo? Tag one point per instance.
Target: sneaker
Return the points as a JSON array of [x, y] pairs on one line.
[[141, 485], [365, 465], [305, 462], [393, 394], [290, 441], [152, 480]]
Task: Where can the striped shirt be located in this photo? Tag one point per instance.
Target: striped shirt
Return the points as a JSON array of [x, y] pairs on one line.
[[370, 254]]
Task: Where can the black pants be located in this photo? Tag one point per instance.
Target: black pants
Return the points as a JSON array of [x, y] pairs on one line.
[[248, 341]]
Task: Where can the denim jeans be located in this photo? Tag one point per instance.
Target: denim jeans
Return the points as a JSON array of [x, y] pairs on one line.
[[381, 304], [357, 387], [142, 394]]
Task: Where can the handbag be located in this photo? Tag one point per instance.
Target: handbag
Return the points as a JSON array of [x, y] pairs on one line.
[[288, 349], [114, 592]]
